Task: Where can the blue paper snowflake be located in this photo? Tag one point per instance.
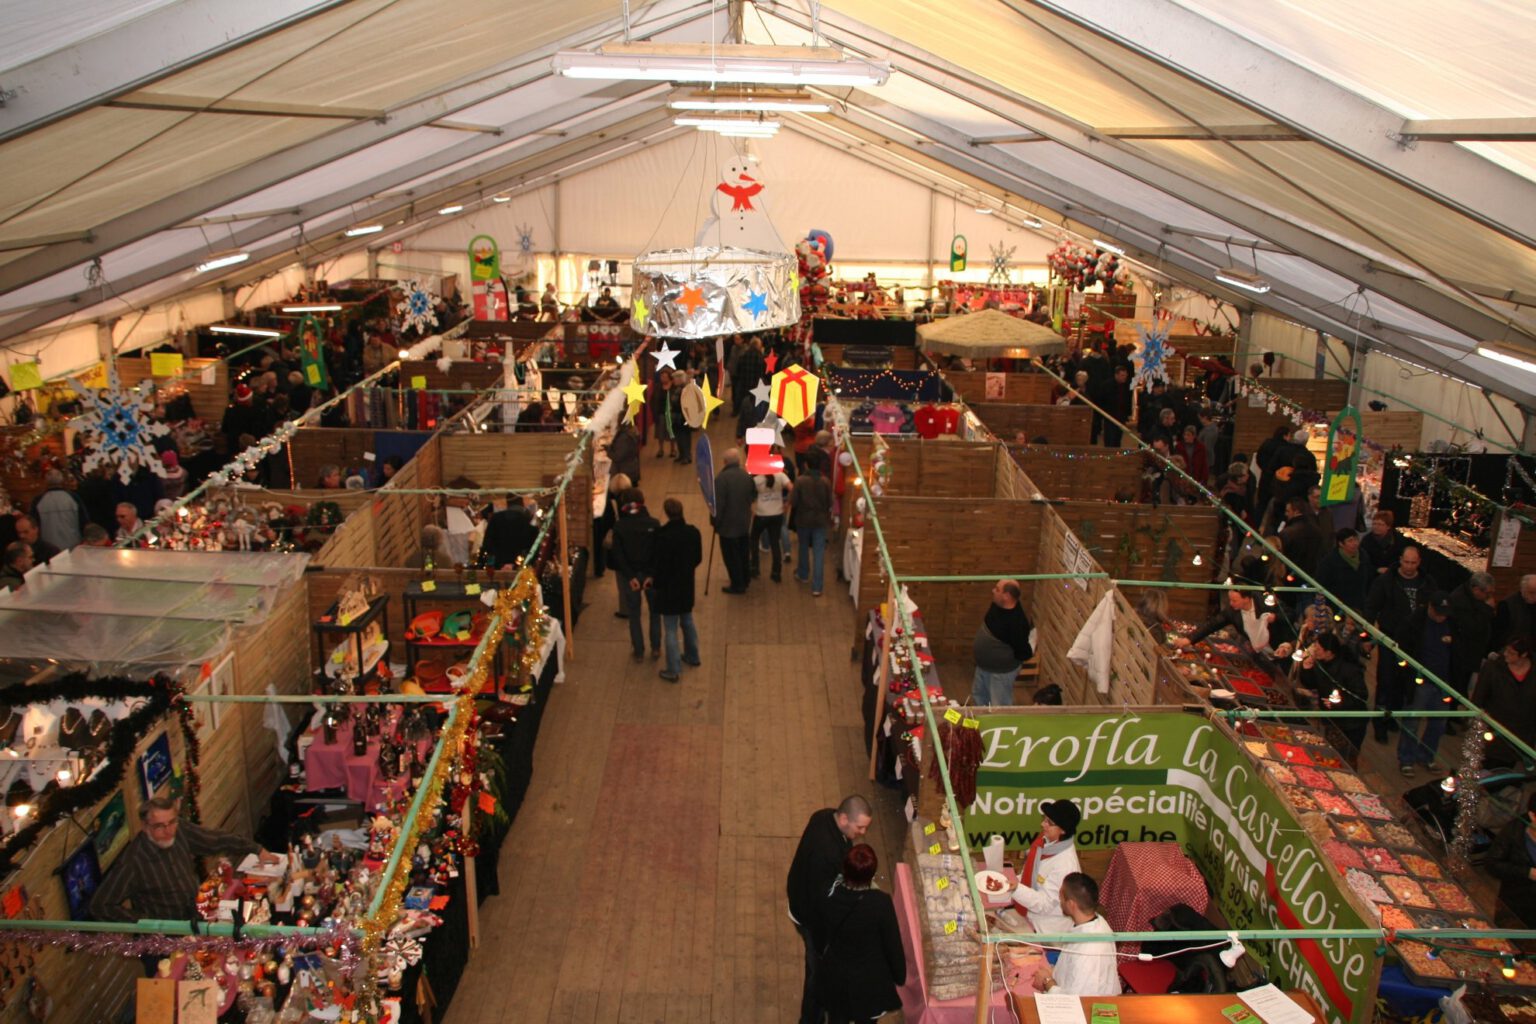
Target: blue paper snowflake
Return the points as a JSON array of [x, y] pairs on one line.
[[525, 237], [416, 311], [118, 429], [1153, 358]]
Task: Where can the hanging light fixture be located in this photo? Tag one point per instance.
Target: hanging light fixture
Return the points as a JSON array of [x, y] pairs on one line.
[[1244, 279], [730, 63], [219, 262], [752, 102], [254, 332]]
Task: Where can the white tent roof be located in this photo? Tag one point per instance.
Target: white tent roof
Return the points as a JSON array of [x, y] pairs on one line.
[[1374, 162]]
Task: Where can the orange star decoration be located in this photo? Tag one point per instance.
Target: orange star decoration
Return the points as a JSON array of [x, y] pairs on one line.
[[691, 299], [711, 403], [792, 397]]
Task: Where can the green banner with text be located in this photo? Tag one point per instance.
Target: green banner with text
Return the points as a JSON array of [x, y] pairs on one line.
[[1175, 777]]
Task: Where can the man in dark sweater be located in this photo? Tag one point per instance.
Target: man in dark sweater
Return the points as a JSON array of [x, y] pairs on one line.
[[1001, 646], [634, 562], [827, 838], [735, 494], [1390, 604], [1431, 639]]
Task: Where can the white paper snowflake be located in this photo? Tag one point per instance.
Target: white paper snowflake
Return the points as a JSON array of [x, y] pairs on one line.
[[1153, 358], [1000, 259], [416, 311], [118, 429], [525, 237]]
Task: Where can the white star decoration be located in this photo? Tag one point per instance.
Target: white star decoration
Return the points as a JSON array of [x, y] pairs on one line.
[[761, 392], [664, 356], [1155, 351], [117, 429]]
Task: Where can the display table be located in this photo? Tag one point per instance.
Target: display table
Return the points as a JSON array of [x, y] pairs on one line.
[[917, 1006], [1145, 879], [1185, 1009], [335, 766]]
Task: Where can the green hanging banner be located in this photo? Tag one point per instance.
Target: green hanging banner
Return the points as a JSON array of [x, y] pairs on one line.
[[957, 254], [311, 359], [1342, 454], [484, 258]]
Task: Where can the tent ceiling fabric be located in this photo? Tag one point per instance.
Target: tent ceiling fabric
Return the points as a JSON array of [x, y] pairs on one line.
[[1183, 129]]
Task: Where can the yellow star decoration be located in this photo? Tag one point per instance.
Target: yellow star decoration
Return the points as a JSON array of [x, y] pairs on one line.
[[634, 391], [794, 280], [711, 403], [641, 310]]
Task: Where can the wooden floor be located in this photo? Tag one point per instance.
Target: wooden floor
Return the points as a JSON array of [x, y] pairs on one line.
[[643, 880]]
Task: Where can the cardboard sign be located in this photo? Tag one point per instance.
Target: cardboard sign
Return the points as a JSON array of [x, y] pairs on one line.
[[165, 364]]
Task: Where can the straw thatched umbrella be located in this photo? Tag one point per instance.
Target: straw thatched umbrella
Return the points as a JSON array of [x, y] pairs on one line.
[[990, 333]]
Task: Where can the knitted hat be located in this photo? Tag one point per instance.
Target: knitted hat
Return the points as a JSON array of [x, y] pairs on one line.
[[1064, 814]]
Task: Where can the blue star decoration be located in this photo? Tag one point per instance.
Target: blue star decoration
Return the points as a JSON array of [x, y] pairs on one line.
[[756, 304], [417, 309], [1153, 359], [118, 429]]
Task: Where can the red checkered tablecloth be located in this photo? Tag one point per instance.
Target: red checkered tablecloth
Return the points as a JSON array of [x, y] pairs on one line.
[[1145, 879]]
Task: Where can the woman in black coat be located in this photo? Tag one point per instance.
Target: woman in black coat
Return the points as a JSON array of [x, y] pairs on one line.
[[677, 552], [862, 961], [1512, 860]]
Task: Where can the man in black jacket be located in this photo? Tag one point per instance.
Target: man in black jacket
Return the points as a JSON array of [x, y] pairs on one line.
[[1516, 616], [827, 838], [735, 493], [508, 535], [1346, 571], [634, 563], [1472, 612], [1430, 641], [1001, 646], [1331, 671], [678, 551], [1389, 605]]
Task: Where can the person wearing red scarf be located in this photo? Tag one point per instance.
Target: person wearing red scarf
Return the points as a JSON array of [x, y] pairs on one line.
[[1051, 858]]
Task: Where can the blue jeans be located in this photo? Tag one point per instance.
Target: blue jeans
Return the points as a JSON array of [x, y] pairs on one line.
[[813, 541], [993, 688], [631, 600], [1411, 748], [669, 624]]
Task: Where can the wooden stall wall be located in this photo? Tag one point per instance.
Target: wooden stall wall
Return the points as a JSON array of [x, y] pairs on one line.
[[398, 518], [1253, 424], [1079, 472], [950, 469], [1507, 578], [902, 357], [346, 447], [208, 400], [950, 537], [522, 461], [1058, 424], [352, 544], [461, 375], [1150, 542], [1018, 388]]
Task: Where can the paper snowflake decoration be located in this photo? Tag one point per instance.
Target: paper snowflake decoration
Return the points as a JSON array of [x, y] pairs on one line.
[[416, 311], [1153, 359], [118, 429], [525, 237], [1000, 260]]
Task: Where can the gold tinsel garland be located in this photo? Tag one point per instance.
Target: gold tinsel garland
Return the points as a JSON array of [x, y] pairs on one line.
[[523, 598]]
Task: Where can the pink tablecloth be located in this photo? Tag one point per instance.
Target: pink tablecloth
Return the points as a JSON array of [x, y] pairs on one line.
[[1145, 879], [334, 766], [916, 1006]]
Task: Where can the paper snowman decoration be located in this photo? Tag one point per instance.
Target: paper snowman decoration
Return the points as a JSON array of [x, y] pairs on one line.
[[738, 215]]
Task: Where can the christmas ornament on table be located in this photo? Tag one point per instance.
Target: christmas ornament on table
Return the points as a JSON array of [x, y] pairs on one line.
[[118, 430], [1152, 360], [416, 309]]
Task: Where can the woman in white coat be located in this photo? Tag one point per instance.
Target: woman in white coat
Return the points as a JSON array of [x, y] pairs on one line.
[[1050, 859]]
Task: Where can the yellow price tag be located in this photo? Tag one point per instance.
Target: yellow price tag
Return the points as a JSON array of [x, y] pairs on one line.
[[419, 383], [935, 849], [971, 723], [952, 716], [428, 587], [950, 927], [930, 828], [941, 884], [471, 589]]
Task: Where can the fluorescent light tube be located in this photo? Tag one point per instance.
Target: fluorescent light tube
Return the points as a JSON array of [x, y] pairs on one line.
[[223, 261], [501, 199], [743, 133], [366, 229], [714, 124], [1033, 222], [1490, 352], [450, 209], [313, 309], [1239, 278], [984, 210], [1108, 247], [254, 332], [741, 64], [748, 104]]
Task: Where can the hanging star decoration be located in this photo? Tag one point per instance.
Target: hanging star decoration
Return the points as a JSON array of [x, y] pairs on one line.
[[1152, 360], [771, 362], [761, 393], [642, 311], [525, 237], [711, 403], [691, 299], [118, 429], [416, 311], [1000, 260], [756, 304], [665, 356], [634, 392]]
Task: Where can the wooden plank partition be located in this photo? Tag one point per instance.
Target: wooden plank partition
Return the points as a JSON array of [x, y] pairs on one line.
[[1059, 424], [941, 468], [1079, 472], [1018, 388], [523, 461], [315, 447], [462, 374], [1132, 541]]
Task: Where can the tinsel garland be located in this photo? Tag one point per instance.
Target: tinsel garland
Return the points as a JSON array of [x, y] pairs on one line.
[[1468, 774], [54, 803], [119, 944], [192, 783]]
